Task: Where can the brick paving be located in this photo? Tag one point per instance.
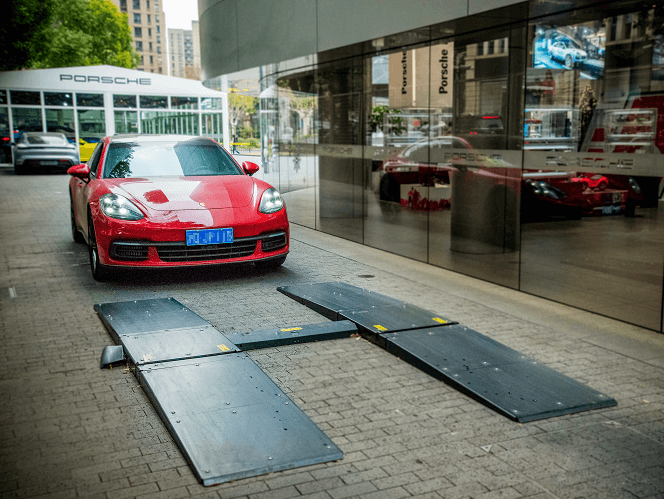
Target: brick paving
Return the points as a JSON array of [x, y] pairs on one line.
[[69, 429]]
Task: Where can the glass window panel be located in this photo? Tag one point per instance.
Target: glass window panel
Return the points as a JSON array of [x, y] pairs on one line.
[[593, 130], [25, 98], [91, 125], [138, 31], [3, 97], [154, 102], [340, 134], [5, 136], [26, 119], [473, 182], [126, 121], [61, 120], [124, 101], [210, 103], [184, 102], [58, 99], [397, 101], [169, 122], [89, 100]]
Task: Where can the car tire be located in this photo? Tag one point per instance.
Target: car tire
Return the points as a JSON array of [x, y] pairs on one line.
[[602, 185], [271, 264], [75, 234], [19, 170], [569, 63], [99, 271]]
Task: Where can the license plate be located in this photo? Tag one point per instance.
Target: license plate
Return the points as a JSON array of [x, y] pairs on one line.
[[49, 163], [209, 236]]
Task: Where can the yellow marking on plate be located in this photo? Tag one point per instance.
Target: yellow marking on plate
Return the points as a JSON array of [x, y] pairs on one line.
[[438, 319], [223, 348], [292, 329], [380, 328]]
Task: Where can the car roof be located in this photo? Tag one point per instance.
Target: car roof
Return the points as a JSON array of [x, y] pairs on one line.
[[144, 137]]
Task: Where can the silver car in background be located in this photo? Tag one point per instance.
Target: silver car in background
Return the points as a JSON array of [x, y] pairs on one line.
[[44, 150]]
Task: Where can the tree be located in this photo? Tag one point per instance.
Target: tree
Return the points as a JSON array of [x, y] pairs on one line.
[[238, 106], [21, 32], [192, 72], [75, 33]]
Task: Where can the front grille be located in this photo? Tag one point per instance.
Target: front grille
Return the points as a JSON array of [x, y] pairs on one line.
[[129, 251], [180, 252], [273, 242]]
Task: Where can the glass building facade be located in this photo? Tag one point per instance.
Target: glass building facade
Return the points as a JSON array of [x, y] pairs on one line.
[[522, 147]]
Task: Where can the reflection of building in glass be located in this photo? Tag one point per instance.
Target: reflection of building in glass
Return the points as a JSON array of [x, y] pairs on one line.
[[492, 144]]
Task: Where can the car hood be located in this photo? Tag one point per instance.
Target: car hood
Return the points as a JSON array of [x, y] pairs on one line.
[[188, 193]]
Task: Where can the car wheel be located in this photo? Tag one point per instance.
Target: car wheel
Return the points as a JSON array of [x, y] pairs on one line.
[[75, 234], [602, 185], [19, 170], [569, 63], [99, 271], [272, 264]]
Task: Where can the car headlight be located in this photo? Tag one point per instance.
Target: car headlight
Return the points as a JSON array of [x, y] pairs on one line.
[[271, 201], [119, 207], [635, 187]]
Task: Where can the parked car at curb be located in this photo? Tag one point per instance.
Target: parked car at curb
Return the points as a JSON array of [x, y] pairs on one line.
[[43, 150], [171, 201]]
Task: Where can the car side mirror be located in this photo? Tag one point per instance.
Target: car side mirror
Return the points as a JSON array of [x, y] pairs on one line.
[[250, 168], [81, 171]]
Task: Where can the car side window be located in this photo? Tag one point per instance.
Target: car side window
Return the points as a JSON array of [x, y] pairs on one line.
[[94, 159]]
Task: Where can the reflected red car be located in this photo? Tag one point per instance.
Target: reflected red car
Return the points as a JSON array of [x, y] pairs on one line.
[[169, 201], [486, 179], [592, 181]]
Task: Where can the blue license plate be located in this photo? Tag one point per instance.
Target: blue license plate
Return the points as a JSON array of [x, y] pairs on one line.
[[209, 236]]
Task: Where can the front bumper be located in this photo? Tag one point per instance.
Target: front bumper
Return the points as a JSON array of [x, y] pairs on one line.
[[158, 244]]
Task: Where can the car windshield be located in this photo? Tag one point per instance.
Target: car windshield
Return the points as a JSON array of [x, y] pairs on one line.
[[51, 139], [188, 158]]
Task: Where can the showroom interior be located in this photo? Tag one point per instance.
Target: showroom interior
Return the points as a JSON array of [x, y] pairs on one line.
[[519, 143]]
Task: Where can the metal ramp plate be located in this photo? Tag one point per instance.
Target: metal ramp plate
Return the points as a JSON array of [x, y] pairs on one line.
[[400, 317], [501, 378], [176, 344], [339, 301], [330, 298], [145, 316], [292, 335], [230, 420]]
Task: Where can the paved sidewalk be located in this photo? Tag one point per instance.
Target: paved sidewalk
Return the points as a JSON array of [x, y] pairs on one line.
[[69, 429]]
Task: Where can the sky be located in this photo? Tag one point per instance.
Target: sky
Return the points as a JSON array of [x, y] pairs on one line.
[[180, 13]]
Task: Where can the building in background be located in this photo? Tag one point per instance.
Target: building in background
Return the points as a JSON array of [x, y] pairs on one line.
[[519, 142], [185, 52], [147, 22], [90, 102]]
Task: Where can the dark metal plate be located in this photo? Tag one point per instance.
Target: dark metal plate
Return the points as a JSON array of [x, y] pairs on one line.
[[331, 298], [391, 318], [503, 379], [145, 316], [452, 348], [176, 344], [230, 420], [292, 335]]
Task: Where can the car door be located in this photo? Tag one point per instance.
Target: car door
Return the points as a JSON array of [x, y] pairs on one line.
[[83, 188]]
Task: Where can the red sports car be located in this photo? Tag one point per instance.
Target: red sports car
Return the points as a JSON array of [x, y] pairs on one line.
[[169, 200]]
